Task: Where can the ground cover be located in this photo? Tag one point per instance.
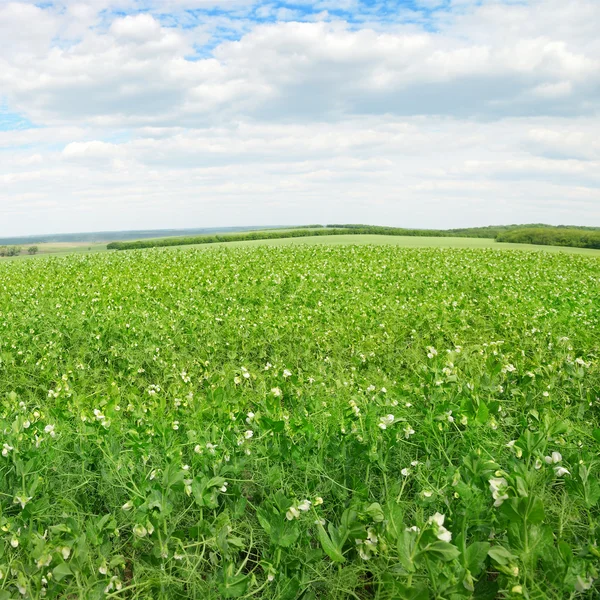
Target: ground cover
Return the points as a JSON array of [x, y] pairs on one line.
[[310, 421]]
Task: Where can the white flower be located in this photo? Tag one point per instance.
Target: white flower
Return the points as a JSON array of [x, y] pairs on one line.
[[44, 560], [292, 513], [6, 449], [385, 422], [198, 449], [437, 520], [560, 471], [276, 392], [318, 501], [223, 488], [140, 531], [427, 493], [287, 373], [248, 434], [408, 431], [175, 425], [498, 487], [50, 429], [405, 472], [555, 458], [582, 585], [211, 447], [14, 542], [304, 505], [249, 417], [431, 352], [127, 506], [66, 552]]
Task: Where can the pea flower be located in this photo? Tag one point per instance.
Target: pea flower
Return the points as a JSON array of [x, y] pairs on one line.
[[140, 531], [292, 513], [555, 458], [304, 505], [440, 531], [498, 487], [385, 422]]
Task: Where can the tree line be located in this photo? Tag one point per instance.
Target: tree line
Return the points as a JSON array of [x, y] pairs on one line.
[[577, 238], [16, 250]]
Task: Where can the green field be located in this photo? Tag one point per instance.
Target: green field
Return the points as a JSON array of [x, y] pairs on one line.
[[301, 421], [66, 248], [402, 242]]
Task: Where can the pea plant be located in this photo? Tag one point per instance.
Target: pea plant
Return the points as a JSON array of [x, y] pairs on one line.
[[307, 423]]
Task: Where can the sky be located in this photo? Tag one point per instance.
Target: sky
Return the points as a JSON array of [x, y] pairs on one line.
[[143, 114]]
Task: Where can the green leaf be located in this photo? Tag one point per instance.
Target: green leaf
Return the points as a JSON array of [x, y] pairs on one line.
[[475, 556], [536, 513], [263, 519], [215, 482], [232, 586], [405, 546], [442, 550], [61, 571], [289, 589], [501, 555], [328, 546]]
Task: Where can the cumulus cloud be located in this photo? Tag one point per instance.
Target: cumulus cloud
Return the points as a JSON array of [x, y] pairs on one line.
[[459, 113]]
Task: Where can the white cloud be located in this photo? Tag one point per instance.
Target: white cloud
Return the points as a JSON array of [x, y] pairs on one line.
[[482, 120]]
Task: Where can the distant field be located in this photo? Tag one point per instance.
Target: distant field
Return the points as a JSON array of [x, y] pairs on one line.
[[66, 248], [404, 242]]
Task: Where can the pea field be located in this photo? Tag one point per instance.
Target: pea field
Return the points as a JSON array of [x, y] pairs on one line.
[[300, 423]]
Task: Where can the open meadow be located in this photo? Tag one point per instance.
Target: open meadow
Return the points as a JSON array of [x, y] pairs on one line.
[[301, 421]]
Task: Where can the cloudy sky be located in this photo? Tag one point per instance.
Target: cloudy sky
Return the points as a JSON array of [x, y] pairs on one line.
[[130, 114]]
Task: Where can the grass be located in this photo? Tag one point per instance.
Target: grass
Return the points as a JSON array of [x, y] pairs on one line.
[[300, 422]]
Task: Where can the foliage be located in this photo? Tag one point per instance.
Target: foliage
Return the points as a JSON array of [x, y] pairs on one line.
[[300, 423], [579, 238], [10, 250], [33, 250]]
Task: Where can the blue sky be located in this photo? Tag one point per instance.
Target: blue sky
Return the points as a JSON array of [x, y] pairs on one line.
[[120, 114]]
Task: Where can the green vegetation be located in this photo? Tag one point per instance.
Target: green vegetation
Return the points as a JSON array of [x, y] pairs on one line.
[[579, 238], [33, 250], [10, 250], [300, 423], [491, 232]]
